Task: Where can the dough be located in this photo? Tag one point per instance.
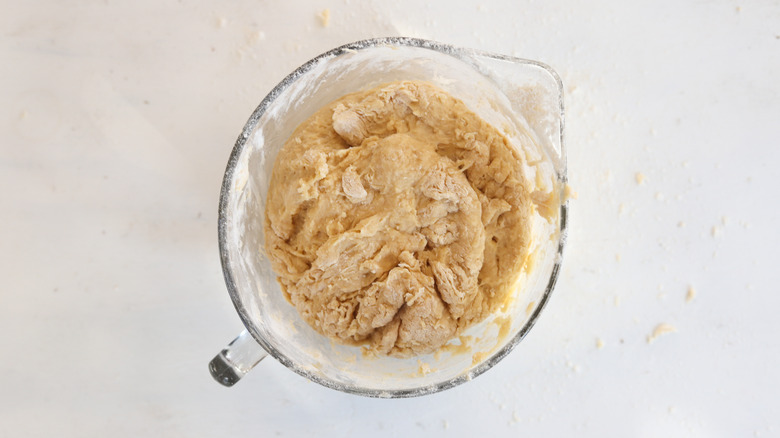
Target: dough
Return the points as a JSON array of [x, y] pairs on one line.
[[396, 218]]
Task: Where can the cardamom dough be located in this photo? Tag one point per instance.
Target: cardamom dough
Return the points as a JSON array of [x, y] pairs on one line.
[[396, 218]]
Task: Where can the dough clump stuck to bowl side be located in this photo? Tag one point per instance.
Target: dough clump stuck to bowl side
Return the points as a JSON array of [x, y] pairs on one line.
[[396, 218]]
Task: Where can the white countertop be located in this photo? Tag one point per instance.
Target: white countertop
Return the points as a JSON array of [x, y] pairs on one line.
[[117, 119]]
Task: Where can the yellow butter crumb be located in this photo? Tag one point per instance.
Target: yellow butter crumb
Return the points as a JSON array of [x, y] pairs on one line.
[[325, 17], [660, 329], [600, 343], [478, 357], [423, 368], [640, 178], [690, 295], [569, 193]]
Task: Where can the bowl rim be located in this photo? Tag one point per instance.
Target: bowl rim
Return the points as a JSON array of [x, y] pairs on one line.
[[227, 186]]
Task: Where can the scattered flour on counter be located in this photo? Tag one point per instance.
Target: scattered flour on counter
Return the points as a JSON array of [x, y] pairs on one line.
[[256, 36], [661, 329]]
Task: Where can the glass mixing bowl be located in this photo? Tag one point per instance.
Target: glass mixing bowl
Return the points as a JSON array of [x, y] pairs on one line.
[[521, 97]]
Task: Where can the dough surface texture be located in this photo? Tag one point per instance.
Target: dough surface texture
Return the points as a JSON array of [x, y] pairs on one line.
[[396, 218]]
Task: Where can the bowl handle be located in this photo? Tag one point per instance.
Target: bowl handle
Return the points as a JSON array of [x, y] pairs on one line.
[[237, 359]]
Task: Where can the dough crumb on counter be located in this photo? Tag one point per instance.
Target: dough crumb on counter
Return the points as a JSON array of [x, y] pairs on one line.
[[690, 295], [640, 178], [324, 17], [396, 218], [569, 193], [660, 329], [599, 343]]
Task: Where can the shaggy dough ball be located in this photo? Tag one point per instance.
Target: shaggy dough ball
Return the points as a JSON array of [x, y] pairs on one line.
[[396, 218]]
